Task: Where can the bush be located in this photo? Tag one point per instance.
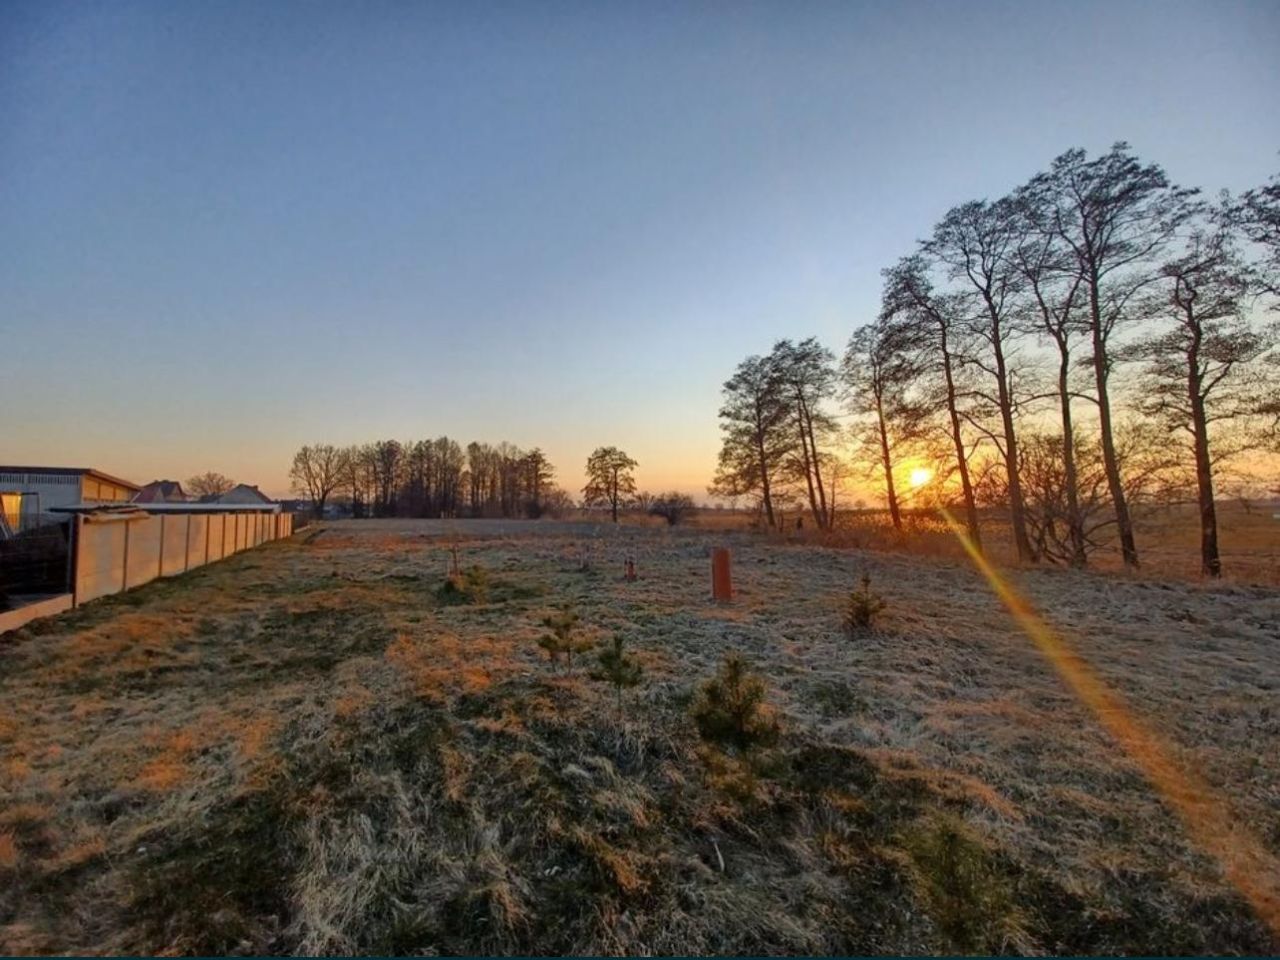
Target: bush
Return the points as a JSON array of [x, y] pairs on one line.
[[672, 507], [862, 608], [730, 708]]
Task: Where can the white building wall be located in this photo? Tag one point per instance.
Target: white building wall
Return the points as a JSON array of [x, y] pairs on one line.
[[55, 490]]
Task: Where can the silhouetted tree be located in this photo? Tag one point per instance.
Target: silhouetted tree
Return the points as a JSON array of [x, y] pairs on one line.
[[1258, 214], [1055, 311], [609, 478], [317, 470], [877, 372], [933, 325], [1116, 215], [1197, 361], [209, 484], [976, 243], [754, 442], [805, 373]]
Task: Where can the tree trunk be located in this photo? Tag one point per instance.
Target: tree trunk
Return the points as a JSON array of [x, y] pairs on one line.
[[823, 518], [808, 471], [1210, 562], [1017, 508], [1128, 547], [891, 493], [764, 478], [1075, 523], [962, 461]]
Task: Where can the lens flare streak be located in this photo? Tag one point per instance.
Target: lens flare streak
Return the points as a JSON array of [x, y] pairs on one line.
[[1206, 818]]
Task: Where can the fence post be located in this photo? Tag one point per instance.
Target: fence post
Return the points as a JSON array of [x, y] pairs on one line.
[[73, 552], [160, 562], [124, 577], [186, 547]]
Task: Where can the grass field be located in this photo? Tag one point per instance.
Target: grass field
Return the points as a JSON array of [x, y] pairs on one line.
[[312, 747]]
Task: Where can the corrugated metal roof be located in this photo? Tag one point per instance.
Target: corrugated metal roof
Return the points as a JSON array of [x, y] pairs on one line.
[[188, 507]]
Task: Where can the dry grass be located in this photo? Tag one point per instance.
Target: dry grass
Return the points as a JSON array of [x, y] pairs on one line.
[[307, 748]]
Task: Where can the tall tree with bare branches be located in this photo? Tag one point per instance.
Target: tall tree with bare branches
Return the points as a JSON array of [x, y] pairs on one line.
[[877, 371], [1198, 360], [1054, 311], [933, 324], [806, 378], [1116, 215], [975, 244]]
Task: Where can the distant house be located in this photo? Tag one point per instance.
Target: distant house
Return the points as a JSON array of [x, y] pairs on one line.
[[36, 490], [241, 493], [161, 491]]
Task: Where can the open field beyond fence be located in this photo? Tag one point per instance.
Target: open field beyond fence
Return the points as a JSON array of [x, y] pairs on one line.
[[312, 747]]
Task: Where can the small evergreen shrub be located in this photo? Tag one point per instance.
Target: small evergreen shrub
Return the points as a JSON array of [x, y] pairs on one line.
[[730, 709], [561, 641], [862, 608], [618, 668]]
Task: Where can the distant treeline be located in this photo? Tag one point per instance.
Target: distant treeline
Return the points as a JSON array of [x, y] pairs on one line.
[[430, 478]]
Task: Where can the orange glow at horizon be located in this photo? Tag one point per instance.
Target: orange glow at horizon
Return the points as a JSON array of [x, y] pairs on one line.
[[1250, 868]]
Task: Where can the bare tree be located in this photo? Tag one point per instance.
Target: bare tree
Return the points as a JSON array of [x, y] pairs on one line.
[[753, 420], [210, 484], [933, 326], [877, 371], [609, 478], [806, 377], [1197, 364], [976, 243], [1258, 213], [317, 470], [1056, 288], [1115, 215], [387, 460]]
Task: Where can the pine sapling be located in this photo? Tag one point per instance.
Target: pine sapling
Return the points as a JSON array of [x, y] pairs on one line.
[[732, 709], [561, 639], [862, 608], [618, 668]]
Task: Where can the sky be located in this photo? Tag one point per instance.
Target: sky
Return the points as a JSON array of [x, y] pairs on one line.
[[229, 229]]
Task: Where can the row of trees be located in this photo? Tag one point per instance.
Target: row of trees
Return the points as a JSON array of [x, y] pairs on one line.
[[429, 478], [1011, 319], [437, 478]]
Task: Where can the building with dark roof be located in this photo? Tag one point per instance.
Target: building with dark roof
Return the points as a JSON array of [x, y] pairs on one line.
[[161, 491]]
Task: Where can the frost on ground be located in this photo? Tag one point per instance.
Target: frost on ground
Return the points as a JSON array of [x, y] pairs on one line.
[[314, 747]]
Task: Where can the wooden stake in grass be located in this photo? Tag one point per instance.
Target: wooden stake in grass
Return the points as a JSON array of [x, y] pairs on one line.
[[618, 668]]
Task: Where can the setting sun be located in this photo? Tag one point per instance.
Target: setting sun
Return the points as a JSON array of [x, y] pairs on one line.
[[920, 476]]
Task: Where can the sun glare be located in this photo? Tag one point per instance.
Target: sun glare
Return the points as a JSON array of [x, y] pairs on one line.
[[920, 476]]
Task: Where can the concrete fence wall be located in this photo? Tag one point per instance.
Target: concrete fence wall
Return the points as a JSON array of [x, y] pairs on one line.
[[115, 554]]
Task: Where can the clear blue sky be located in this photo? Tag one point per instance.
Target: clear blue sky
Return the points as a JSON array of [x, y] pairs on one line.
[[228, 229]]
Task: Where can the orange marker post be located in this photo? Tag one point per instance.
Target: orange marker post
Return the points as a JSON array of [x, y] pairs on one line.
[[721, 576]]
